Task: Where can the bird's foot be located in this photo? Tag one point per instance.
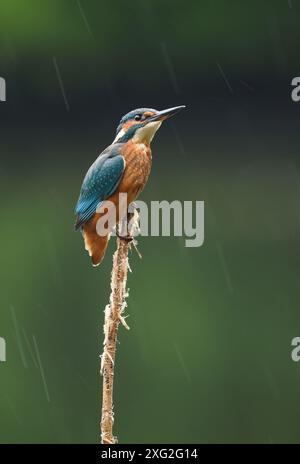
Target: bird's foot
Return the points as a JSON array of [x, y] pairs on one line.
[[126, 238]]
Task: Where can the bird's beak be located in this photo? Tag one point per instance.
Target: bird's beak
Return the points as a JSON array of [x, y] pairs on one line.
[[165, 114]]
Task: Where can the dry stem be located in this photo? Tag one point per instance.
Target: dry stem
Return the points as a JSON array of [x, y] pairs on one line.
[[113, 317]]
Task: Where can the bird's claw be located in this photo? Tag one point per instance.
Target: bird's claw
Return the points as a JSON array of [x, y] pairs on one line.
[[126, 238]]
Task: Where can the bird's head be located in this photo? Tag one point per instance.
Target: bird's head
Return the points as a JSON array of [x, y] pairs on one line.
[[140, 125]]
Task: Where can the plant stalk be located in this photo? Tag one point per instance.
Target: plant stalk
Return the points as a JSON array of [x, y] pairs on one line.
[[113, 317]]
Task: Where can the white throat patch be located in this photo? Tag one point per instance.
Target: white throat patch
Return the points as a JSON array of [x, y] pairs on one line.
[[143, 135], [119, 135], [146, 133]]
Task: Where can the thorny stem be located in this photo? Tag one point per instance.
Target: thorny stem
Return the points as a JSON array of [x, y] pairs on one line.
[[113, 317]]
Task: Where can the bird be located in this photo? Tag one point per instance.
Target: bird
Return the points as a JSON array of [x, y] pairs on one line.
[[123, 167]]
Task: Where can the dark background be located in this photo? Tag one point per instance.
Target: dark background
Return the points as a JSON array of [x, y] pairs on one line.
[[208, 357]]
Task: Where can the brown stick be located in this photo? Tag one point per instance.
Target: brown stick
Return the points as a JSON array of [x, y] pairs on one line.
[[113, 316]]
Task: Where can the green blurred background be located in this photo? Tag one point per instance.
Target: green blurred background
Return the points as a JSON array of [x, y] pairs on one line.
[[208, 356]]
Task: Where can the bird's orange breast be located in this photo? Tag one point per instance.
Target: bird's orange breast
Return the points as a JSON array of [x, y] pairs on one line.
[[137, 169]]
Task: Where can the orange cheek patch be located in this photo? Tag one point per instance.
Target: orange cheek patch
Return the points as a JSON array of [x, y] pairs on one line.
[[128, 124], [147, 114]]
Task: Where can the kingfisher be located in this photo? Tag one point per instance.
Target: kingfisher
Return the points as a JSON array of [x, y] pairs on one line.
[[123, 167]]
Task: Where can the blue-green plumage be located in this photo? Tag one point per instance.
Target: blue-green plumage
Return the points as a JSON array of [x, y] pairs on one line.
[[100, 182]]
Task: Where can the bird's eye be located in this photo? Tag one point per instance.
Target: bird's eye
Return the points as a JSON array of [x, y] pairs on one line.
[[138, 117]]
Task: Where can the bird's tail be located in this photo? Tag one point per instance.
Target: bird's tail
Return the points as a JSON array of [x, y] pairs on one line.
[[95, 244]]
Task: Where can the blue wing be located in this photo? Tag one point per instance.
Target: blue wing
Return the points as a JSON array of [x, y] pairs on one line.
[[100, 182]]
